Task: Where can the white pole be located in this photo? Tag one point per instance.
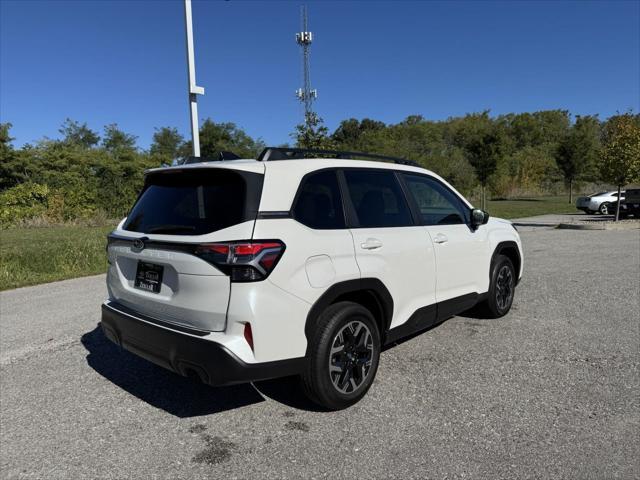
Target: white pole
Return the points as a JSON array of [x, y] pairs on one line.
[[193, 88]]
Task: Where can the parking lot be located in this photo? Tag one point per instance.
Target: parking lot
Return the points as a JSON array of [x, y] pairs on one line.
[[552, 390]]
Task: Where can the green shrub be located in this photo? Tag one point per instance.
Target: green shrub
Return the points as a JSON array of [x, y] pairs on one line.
[[22, 202]]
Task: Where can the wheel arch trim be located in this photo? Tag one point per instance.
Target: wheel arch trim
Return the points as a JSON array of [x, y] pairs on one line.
[[503, 246], [365, 285]]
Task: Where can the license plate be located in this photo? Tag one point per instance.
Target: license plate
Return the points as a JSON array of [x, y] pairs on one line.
[[148, 277]]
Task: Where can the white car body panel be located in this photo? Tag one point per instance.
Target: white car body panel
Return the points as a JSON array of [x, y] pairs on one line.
[[462, 260], [404, 261]]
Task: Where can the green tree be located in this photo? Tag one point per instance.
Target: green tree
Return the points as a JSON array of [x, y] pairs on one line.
[[483, 152], [350, 133], [313, 134], [577, 153], [9, 169], [116, 141], [218, 137], [81, 135], [5, 137], [167, 143], [621, 151]]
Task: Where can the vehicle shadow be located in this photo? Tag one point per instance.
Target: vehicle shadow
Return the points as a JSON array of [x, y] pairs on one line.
[[477, 312], [177, 395], [180, 396]]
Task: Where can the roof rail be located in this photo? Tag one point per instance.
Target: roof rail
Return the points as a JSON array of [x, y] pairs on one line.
[[286, 153]]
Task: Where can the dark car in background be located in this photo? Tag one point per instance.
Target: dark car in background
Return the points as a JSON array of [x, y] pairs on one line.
[[629, 205]]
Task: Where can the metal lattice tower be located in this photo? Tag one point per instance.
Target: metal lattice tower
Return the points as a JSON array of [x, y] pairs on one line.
[[305, 94]]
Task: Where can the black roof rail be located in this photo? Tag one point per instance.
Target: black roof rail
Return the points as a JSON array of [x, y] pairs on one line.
[[222, 156], [286, 153]]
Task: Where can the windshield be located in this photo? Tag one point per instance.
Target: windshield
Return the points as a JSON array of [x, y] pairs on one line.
[[194, 202]]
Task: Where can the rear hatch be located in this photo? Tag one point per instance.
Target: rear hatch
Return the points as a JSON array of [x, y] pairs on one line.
[[153, 266]]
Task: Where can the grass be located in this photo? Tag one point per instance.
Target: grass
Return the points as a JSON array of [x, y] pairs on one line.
[[528, 207], [29, 256]]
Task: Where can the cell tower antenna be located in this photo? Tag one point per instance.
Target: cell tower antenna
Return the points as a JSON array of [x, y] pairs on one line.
[[306, 94]]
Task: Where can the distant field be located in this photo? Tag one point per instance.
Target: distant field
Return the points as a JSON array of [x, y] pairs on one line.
[[29, 256], [528, 207]]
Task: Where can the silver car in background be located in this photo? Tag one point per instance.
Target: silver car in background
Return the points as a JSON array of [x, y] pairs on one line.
[[598, 202]]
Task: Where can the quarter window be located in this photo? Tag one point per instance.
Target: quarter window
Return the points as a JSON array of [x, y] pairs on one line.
[[437, 204], [377, 198], [319, 204]]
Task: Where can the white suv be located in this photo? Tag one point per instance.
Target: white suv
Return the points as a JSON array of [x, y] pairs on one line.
[[234, 271]]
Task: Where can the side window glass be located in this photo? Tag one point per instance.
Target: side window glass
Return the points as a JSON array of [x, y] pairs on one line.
[[438, 205], [377, 198], [319, 204]]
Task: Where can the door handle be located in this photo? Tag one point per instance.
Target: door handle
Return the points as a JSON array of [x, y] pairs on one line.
[[440, 238], [371, 244]]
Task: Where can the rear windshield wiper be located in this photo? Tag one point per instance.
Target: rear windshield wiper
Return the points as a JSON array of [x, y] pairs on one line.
[[171, 228]]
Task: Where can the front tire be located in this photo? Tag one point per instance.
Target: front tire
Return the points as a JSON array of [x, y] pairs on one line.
[[502, 288], [343, 356]]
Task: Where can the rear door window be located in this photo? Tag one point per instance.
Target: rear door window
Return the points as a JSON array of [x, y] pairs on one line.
[[377, 198], [195, 202], [319, 204]]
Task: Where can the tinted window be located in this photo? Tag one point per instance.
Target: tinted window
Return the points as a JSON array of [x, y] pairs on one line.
[[319, 204], [377, 198], [437, 204], [190, 203]]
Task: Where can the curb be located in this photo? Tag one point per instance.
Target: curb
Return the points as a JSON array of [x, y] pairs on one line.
[[601, 226]]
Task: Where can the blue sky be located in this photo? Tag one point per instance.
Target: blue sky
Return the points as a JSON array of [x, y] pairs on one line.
[[124, 61]]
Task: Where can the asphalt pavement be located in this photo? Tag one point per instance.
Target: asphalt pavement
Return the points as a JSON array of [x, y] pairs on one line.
[[552, 390]]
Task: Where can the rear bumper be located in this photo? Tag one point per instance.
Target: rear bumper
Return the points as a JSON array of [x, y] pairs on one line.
[[187, 354]]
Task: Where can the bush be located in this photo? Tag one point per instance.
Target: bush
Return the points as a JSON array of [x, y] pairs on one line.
[[22, 202]]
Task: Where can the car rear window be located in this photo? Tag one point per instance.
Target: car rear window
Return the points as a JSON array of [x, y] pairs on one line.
[[195, 202]]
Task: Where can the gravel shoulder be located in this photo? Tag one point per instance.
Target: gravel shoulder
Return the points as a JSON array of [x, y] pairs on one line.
[[552, 390]]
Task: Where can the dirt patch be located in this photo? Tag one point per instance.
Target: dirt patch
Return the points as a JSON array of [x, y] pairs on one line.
[[299, 426], [197, 428], [218, 450]]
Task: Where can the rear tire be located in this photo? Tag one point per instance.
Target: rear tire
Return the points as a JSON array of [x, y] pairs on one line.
[[502, 287], [604, 209], [343, 356]]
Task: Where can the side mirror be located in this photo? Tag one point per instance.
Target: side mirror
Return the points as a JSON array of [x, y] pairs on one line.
[[478, 217]]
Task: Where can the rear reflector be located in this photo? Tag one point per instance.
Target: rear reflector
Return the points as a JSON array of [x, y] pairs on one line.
[[243, 261], [248, 335]]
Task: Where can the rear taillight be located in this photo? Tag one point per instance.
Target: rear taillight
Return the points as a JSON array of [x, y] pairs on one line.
[[243, 261]]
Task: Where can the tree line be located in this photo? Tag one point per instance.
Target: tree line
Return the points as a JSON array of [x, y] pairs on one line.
[[84, 173]]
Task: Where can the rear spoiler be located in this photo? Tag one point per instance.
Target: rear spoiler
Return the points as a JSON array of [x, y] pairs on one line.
[[222, 156]]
